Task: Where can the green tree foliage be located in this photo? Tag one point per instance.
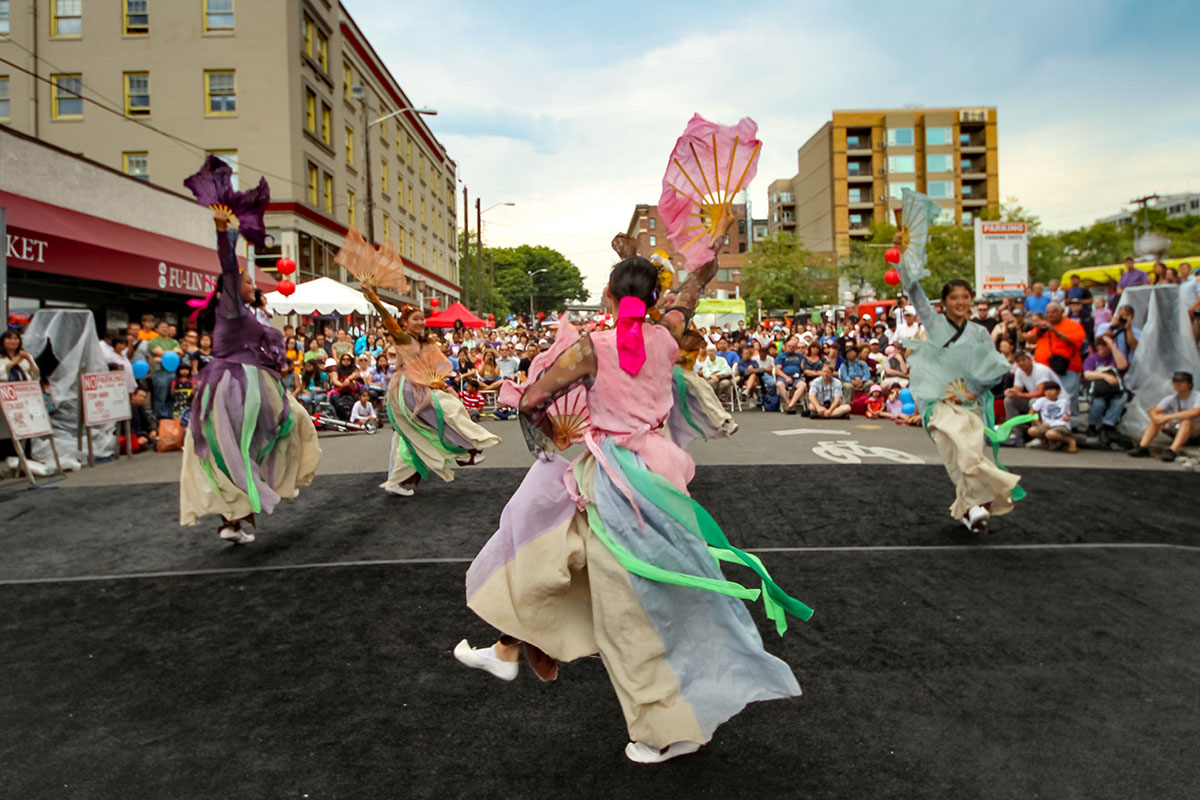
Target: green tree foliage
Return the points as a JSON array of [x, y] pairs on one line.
[[515, 281], [784, 274]]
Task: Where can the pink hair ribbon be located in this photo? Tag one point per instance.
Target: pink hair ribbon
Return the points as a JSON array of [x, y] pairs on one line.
[[631, 348]]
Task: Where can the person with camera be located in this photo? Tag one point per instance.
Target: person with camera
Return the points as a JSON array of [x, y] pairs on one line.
[[1058, 343], [1125, 337], [1105, 368]]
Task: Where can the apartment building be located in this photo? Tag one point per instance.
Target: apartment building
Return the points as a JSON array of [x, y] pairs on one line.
[[1176, 206], [289, 90], [647, 228], [853, 170]]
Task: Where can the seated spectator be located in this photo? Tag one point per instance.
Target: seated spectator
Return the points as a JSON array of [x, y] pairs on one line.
[[1054, 419], [508, 363], [789, 377], [1175, 415], [343, 346], [895, 366], [363, 410], [472, 399], [1125, 337], [716, 371], [855, 375], [910, 329], [725, 352], [141, 423], [825, 399], [315, 352], [488, 373], [346, 385], [875, 402], [313, 386], [745, 373], [1028, 379], [379, 377], [893, 407], [874, 357], [1105, 368]]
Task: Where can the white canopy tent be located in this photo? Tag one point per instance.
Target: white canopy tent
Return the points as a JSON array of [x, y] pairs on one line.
[[323, 296]]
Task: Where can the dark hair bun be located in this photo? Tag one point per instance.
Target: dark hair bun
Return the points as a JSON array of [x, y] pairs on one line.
[[634, 277]]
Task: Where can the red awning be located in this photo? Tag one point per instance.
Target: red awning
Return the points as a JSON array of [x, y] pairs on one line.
[[48, 238], [455, 313]]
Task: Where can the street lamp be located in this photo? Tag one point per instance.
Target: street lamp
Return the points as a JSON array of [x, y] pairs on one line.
[[360, 94], [532, 292], [479, 251]]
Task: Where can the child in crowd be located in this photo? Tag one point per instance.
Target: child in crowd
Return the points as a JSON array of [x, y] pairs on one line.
[[1054, 419], [181, 389], [363, 410], [471, 398], [893, 407], [875, 402]]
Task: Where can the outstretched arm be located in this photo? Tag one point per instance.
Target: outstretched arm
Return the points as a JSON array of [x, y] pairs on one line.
[[679, 304], [576, 364], [231, 305], [389, 322]]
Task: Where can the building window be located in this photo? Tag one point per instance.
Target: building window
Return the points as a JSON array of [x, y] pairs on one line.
[[230, 157], [857, 220], [349, 146], [306, 28], [136, 164], [941, 188], [856, 195], [4, 14], [900, 137], [424, 253], [400, 239], [968, 217], [1194, 204], [410, 197], [326, 124], [741, 227], [896, 189], [945, 216], [137, 94], [350, 209], [5, 103], [422, 210], [421, 158], [383, 175], [312, 184], [137, 17], [399, 141], [653, 239], [66, 101], [387, 228], [328, 181], [218, 15], [939, 162], [939, 136], [66, 18], [347, 81], [323, 52], [220, 92], [411, 247], [310, 110], [408, 149], [902, 164], [652, 220]]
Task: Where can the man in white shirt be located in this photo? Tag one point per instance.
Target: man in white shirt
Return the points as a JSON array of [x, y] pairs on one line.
[[1176, 416], [1028, 378], [911, 327], [716, 371], [508, 363]]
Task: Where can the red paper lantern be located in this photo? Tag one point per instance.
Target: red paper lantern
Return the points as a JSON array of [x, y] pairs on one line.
[[892, 277], [892, 255], [285, 266], [285, 287], [491, 318], [435, 302], [541, 315]]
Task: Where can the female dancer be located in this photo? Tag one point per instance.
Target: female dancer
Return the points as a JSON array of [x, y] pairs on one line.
[[952, 369], [431, 430], [248, 442], [609, 554]]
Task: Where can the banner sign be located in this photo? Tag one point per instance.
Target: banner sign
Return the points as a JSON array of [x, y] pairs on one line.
[[25, 409], [104, 398], [1001, 258]]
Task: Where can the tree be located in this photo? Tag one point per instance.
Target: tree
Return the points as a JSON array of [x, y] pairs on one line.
[[782, 273], [517, 280]]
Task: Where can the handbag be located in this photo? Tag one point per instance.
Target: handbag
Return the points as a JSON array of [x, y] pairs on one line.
[[1060, 364]]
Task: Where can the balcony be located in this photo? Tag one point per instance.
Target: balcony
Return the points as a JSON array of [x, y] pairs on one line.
[[859, 171], [858, 142], [972, 141], [973, 168]]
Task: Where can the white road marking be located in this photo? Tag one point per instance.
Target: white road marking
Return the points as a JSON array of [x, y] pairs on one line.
[[798, 431], [982, 547], [851, 452]]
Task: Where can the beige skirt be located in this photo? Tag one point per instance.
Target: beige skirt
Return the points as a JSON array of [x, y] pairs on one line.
[[418, 450], [958, 434]]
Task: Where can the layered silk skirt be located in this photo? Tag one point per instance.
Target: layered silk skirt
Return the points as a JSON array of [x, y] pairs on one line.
[[431, 431], [248, 444], [605, 556]]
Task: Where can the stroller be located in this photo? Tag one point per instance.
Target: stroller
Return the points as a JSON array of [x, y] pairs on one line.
[[325, 418]]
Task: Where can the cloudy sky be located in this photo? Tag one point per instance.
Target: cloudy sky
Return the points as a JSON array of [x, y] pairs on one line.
[[570, 110]]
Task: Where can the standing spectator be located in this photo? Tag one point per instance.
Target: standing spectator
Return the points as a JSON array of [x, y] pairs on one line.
[[115, 347], [160, 378], [1105, 368], [15, 362], [149, 329], [825, 396], [1101, 313], [189, 345], [981, 315], [1054, 419], [1059, 344], [1057, 293], [910, 328], [203, 354], [789, 376], [1037, 302], [855, 375], [181, 390], [1132, 277], [1075, 290], [343, 346], [1175, 416], [315, 351], [716, 371], [291, 349]]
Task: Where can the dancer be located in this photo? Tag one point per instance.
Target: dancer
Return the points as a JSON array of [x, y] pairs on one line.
[[431, 429], [610, 555], [952, 370], [248, 441]]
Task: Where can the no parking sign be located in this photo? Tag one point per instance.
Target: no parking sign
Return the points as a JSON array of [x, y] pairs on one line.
[[104, 398], [24, 409]]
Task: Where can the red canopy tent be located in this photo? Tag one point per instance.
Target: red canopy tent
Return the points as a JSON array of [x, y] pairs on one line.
[[455, 313]]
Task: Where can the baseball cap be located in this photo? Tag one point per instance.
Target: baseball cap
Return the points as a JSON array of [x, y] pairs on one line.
[[331, 362], [876, 388], [910, 310]]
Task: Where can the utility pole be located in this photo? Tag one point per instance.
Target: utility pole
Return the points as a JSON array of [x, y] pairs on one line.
[[367, 168], [464, 256], [479, 256], [1141, 202]]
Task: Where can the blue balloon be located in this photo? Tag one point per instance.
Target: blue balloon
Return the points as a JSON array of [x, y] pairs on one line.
[[140, 369], [905, 395], [908, 408], [170, 361]]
